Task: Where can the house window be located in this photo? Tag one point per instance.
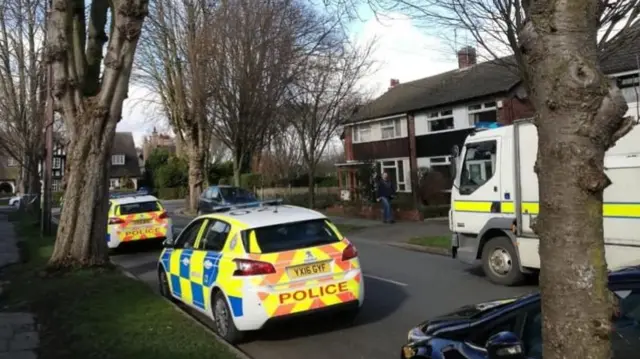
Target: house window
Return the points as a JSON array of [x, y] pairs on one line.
[[483, 112], [440, 121], [114, 183], [362, 133], [442, 165], [395, 170], [630, 87], [57, 162], [56, 185], [390, 129], [11, 162], [117, 160]]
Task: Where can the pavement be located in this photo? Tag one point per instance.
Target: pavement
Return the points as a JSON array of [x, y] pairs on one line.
[[403, 288], [18, 331]]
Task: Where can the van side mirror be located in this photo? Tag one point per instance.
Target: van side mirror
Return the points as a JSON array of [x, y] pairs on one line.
[[505, 345]]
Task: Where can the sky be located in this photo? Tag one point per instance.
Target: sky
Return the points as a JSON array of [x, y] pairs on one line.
[[402, 51]]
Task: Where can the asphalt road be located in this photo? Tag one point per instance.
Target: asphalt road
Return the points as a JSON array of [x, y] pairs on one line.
[[402, 288]]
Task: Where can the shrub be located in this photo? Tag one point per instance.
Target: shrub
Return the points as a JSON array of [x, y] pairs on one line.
[[250, 180], [173, 193]]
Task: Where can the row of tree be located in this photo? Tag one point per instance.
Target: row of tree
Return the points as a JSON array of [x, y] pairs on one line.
[[252, 75]]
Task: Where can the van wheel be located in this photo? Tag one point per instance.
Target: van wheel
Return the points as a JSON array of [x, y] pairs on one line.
[[500, 262], [223, 321]]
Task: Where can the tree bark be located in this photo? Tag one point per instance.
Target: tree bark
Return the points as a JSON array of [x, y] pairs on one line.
[[312, 187], [196, 176], [81, 238], [579, 116]]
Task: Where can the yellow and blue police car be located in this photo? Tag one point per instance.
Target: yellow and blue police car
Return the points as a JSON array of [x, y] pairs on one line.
[[137, 218], [246, 267]]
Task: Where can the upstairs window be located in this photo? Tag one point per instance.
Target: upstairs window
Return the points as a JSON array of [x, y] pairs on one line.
[[390, 129], [362, 133], [440, 121], [483, 112], [117, 160]]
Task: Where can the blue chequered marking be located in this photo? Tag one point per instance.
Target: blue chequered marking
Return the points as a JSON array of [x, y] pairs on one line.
[[108, 237], [185, 269], [236, 306], [197, 291], [175, 285], [211, 273], [165, 259]]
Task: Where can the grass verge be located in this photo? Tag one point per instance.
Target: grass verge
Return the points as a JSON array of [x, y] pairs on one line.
[[99, 313], [434, 241]]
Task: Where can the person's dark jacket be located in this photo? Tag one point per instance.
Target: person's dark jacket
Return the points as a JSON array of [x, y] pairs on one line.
[[386, 189]]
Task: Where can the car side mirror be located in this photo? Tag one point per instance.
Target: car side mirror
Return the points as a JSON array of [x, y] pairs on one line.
[[505, 345], [167, 243]]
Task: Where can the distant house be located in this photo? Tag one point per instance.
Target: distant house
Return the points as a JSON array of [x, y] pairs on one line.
[[159, 140], [414, 126], [9, 174], [125, 167]]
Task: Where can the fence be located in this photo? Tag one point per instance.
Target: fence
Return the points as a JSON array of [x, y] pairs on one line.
[[285, 192]]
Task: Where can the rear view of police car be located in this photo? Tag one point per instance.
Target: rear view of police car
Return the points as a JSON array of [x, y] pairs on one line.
[[136, 218], [248, 267]]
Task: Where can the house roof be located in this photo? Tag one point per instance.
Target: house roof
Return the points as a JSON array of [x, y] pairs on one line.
[[481, 80], [123, 144]]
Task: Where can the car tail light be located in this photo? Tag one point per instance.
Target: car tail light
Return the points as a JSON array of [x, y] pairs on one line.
[[349, 253], [163, 215], [115, 220], [245, 267]]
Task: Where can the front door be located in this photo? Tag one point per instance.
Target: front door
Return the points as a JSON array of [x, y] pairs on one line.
[[476, 195]]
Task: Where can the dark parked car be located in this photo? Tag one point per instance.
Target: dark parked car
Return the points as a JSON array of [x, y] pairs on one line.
[[221, 196], [512, 328]]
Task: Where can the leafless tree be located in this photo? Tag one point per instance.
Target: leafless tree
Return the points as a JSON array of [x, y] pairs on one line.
[[325, 95], [89, 92], [22, 79], [172, 64], [255, 53], [557, 46], [281, 159]]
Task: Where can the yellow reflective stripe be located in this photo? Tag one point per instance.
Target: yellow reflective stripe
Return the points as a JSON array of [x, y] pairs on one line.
[[610, 210], [335, 229], [253, 243]]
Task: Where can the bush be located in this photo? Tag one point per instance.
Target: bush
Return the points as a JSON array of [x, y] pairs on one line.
[[173, 193], [174, 174], [250, 180], [220, 172], [56, 197]]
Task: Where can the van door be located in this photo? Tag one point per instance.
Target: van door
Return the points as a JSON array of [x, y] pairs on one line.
[[476, 195]]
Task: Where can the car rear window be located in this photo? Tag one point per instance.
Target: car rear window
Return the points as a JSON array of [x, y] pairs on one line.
[[140, 207], [290, 236]]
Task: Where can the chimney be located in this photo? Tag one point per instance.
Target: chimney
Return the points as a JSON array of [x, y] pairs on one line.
[[393, 83], [466, 57]]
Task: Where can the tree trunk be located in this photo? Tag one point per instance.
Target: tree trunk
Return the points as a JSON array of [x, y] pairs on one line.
[[312, 187], [196, 176], [579, 116], [81, 238]]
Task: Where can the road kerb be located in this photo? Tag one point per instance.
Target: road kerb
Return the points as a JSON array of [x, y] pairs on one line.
[[418, 248], [239, 353]]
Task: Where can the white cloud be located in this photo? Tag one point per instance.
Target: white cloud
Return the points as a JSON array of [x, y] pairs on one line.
[[403, 51], [140, 114]]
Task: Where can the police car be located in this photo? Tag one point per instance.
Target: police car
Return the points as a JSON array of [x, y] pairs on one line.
[[246, 267], [134, 217]]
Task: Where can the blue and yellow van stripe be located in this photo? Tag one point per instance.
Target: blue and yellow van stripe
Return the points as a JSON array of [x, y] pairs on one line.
[[610, 209]]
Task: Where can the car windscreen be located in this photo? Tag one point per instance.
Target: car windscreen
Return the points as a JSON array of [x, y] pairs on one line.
[[139, 207], [290, 236], [235, 195]]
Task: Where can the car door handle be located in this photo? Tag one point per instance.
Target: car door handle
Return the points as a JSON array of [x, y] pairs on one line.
[[495, 188]]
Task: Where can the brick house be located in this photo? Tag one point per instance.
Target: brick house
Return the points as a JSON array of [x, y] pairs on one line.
[[415, 125]]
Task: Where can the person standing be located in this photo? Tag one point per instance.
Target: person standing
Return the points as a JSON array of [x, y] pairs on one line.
[[386, 192]]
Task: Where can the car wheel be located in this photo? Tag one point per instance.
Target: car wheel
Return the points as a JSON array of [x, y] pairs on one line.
[[500, 262], [223, 322], [163, 285]]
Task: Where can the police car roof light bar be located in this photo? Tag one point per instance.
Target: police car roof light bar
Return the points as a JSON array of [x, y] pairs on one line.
[[275, 202]]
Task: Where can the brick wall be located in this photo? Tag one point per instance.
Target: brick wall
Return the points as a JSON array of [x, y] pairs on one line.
[[348, 143], [514, 109]]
